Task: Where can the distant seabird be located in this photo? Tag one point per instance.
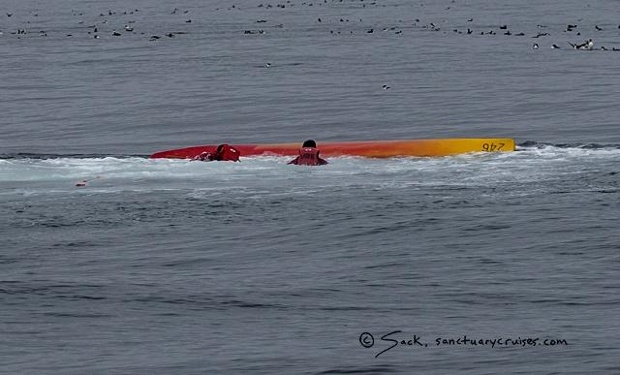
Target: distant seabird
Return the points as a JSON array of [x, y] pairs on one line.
[[535, 46], [587, 45]]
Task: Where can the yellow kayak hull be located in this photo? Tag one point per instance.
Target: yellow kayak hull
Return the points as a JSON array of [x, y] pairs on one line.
[[371, 149]]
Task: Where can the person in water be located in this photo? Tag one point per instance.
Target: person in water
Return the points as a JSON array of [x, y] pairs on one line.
[[223, 152], [308, 155]]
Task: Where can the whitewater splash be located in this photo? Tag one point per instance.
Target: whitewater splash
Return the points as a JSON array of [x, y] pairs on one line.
[[531, 162]]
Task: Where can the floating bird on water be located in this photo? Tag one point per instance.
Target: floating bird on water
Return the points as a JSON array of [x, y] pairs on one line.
[[587, 45]]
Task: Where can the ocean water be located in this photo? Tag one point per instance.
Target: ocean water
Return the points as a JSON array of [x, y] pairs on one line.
[[470, 264]]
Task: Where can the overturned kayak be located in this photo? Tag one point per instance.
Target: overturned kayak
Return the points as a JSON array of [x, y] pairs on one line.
[[371, 149]]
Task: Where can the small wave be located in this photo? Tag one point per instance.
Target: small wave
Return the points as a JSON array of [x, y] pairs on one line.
[[585, 146], [378, 369], [76, 315], [35, 156], [207, 303]]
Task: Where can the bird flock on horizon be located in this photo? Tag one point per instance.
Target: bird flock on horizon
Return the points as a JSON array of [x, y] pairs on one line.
[[338, 25]]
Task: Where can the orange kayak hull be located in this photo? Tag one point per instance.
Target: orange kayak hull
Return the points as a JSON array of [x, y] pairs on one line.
[[371, 149]]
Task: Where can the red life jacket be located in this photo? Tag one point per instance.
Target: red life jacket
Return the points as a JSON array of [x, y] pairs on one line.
[[225, 152], [308, 156]]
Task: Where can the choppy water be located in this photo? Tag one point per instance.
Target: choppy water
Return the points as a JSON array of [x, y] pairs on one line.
[[168, 266]]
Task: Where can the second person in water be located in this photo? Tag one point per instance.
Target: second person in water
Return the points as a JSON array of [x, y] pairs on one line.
[[308, 155]]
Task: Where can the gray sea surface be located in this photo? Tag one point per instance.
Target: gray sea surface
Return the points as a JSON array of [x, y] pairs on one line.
[[471, 264]]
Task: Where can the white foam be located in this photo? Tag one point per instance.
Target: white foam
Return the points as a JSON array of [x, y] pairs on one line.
[[110, 174]]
